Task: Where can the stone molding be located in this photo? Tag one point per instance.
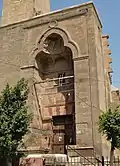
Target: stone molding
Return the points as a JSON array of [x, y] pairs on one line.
[[68, 42]]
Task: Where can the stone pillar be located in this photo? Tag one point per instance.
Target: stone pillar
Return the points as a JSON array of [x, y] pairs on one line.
[[88, 98], [84, 137]]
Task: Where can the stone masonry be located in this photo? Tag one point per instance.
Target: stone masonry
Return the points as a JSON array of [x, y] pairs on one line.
[[112, 94], [107, 75], [18, 10], [107, 68], [61, 56]]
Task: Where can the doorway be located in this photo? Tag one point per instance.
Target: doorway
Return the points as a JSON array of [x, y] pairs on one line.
[[63, 133]]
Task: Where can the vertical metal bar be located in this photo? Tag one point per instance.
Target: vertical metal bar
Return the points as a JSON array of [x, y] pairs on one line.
[[114, 161], [103, 161], [118, 160], [80, 160]]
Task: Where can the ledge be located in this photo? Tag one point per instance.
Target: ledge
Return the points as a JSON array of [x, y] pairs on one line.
[[73, 11]]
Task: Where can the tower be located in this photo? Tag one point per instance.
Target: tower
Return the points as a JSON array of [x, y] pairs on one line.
[[18, 10]]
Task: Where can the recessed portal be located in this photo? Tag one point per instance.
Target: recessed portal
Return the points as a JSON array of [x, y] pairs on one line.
[[55, 91]]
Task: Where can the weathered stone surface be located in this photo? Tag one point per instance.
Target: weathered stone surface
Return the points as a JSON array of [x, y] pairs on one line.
[[19, 10], [41, 49]]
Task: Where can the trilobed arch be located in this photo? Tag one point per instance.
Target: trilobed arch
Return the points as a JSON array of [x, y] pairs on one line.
[[68, 42], [55, 91]]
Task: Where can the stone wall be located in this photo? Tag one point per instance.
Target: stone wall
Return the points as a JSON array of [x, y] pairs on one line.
[[107, 68], [80, 30], [17, 10], [107, 82]]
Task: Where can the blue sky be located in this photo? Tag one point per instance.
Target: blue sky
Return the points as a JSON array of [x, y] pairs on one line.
[[109, 11]]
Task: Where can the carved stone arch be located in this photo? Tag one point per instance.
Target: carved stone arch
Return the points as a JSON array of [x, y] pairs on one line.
[[68, 42], [54, 84]]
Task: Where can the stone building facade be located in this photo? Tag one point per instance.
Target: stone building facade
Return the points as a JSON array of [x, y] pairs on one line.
[[61, 55], [112, 94], [108, 81], [18, 10], [115, 93], [107, 69]]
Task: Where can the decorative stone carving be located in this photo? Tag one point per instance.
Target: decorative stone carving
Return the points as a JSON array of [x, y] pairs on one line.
[[53, 24]]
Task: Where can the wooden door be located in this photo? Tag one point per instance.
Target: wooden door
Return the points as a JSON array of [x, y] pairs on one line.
[[59, 140], [62, 133]]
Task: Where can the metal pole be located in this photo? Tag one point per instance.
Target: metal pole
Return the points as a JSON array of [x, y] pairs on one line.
[[103, 163]]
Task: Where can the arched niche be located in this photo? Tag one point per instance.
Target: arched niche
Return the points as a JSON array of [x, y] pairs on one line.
[[54, 57], [68, 42], [55, 88]]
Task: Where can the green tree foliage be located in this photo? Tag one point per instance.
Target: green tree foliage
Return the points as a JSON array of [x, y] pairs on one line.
[[14, 118], [109, 126]]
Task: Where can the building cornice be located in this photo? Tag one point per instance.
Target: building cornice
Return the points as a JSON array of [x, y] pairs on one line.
[[58, 15]]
